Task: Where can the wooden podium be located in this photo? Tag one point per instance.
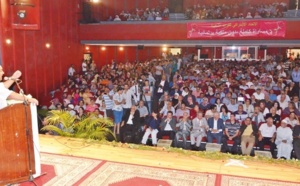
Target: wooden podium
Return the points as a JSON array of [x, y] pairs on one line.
[[17, 162]]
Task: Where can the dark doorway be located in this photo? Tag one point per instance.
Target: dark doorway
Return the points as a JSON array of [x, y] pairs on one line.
[[292, 4], [176, 6]]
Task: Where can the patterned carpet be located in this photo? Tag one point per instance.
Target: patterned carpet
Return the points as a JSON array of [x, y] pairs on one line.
[[117, 174], [242, 181], [68, 170]]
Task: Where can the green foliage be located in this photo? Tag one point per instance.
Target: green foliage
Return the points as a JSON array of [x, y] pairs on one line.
[[89, 127], [42, 112]]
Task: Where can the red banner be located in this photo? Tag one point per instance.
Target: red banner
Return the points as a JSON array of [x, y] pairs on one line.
[[228, 29]]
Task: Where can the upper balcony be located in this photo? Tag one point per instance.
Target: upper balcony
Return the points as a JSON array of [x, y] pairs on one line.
[[172, 29]]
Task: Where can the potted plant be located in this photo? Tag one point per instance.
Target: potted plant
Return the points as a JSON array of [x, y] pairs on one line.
[[89, 127]]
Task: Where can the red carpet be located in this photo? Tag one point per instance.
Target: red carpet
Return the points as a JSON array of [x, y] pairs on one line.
[[68, 170], [137, 181]]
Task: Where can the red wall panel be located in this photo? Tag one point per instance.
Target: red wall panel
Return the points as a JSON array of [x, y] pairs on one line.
[[162, 31], [110, 8], [218, 52], [31, 8], [103, 57], [43, 69], [131, 53], [130, 5], [143, 4]]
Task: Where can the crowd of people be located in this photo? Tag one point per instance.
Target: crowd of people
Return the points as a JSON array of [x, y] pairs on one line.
[[148, 14], [246, 103], [236, 11]]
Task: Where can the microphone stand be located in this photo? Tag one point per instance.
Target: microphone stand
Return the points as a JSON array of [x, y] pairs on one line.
[[26, 104]]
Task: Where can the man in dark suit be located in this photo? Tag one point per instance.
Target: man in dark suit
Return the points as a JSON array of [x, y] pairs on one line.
[[130, 125], [161, 86], [296, 135], [167, 127], [216, 128]]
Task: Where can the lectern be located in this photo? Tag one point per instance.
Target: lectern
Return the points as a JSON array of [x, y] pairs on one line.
[[17, 162]]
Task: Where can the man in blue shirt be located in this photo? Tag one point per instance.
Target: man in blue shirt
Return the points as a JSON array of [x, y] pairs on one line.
[[296, 78]]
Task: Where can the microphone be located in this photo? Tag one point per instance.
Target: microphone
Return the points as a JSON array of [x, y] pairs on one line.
[[9, 78]]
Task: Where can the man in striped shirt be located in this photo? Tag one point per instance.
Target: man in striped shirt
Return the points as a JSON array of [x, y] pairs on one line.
[[107, 97], [232, 128]]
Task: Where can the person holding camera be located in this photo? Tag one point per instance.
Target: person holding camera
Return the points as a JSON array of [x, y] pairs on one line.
[[147, 95], [161, 87], [135, 92], [127, 96]]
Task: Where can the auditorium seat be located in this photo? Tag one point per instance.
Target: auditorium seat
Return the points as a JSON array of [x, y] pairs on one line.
[[250, 91]]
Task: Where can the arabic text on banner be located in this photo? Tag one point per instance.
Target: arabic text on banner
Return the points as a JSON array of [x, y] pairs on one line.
[[225, 29]]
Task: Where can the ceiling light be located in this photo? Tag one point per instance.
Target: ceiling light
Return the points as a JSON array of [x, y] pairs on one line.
[[21, 14], [8, 41], [47, 45]]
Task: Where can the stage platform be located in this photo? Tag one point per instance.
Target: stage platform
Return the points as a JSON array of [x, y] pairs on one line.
[[163, 159]]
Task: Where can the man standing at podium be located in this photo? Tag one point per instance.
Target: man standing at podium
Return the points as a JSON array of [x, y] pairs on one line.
[[5, 93]]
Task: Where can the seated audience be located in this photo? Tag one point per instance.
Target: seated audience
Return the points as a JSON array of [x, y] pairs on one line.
[[167, 127], [266, 136], [248, 133], [296, 143], [295, 100], [216, 128], [291, 108], [98, 114], [167, 108], [70, 109], [194, 112], [91, 106], [283, 100], [232, 106], [210, 113], [248, 107], [143, 111], [199, 130], [179, 112], [277, 107], [292, 119], [190, 103], [204, 105], [184, 127], [284, 141], [219, 80], [218, 104], [259, 95], [130, 124], [80, 114], [226, 100], [257, 116], [263, 109], [232, 128], [240, 114], [152, 128], [225, 114], [272, 114]]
